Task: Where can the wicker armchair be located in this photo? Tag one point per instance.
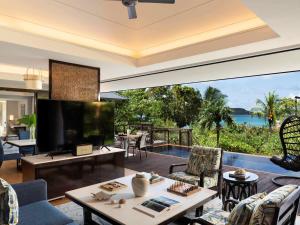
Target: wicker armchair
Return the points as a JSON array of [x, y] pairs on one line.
[[277, 208], [290, 139]]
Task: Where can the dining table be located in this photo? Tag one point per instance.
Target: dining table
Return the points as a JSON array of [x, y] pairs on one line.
[[125, 140]]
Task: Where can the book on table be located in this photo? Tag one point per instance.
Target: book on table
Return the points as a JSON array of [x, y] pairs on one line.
[[155, 206]]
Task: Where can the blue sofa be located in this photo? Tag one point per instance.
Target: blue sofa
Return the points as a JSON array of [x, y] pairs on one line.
[[34, 209]]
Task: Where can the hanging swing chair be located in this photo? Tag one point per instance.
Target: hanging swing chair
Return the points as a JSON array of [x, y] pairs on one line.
[[290, 139]]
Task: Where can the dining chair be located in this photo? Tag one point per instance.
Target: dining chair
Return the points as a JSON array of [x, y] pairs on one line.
[[25, 135], [133, 144], [8, 152], [143, 144]]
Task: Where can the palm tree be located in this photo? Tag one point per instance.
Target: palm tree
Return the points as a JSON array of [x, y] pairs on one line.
[[267, 108], [215, 111]]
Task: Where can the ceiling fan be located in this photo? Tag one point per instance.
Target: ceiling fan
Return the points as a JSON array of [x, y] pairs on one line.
[[130, 4]]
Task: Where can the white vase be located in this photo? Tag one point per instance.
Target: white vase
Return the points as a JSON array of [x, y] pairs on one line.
[[140, 185]]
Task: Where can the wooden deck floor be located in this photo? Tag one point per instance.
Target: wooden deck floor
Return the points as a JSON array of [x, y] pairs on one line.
[[160, 163], [155, 162]]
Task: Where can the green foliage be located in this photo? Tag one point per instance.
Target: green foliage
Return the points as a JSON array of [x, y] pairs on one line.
[[286, 107], [215, 111], [241, 138], [185, 105], [28, 120], [268, 108], [159, 105], [178, 106]]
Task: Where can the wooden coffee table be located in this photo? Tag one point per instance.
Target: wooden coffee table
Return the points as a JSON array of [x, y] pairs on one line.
[[126, 215]]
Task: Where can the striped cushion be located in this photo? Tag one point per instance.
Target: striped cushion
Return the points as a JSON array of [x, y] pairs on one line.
[[242, 212], [216, 217], [264, 212], [9, 208]]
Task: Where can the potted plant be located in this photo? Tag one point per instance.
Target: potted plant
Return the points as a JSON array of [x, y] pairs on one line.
[[30, 122]]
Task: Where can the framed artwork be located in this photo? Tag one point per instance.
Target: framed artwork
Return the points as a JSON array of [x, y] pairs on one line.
[[68, 81]]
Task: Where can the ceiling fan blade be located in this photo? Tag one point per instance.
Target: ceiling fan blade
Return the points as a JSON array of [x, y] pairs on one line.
[[158, 1], [131, 12]]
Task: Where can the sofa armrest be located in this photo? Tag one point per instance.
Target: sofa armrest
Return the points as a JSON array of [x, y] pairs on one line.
[[32, 191]]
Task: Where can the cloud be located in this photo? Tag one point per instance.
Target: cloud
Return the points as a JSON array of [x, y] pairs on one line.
[[293, 94], [266, 77]]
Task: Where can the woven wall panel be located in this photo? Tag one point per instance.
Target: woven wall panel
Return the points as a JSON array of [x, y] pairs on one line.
[[73, 82]]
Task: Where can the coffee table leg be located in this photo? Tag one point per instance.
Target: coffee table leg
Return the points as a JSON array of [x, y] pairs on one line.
[[87, 216]]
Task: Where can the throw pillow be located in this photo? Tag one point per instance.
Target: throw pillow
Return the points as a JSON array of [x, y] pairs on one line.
[[242, 212], [264, 212], [9, 208]]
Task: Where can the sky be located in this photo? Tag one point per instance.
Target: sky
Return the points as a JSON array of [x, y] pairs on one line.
[[243, 92]]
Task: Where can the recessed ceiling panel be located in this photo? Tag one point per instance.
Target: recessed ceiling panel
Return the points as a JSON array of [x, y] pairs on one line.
[[104, 24]]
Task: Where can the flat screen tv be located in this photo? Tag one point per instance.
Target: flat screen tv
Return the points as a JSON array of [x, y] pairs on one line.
[[62, 125]]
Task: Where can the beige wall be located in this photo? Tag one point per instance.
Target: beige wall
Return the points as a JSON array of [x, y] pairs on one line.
[[12, 109], [272, 63]]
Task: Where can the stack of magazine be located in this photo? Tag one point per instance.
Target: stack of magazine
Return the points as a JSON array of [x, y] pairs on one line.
[[155, 206]]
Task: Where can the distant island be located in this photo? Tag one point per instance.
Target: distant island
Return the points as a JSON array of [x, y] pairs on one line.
[[240, 111]]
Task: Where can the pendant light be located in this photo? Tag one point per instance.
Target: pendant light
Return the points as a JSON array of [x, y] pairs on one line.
[[33, 79]]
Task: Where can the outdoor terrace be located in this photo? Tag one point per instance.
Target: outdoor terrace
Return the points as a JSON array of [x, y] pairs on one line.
[[160, 163]]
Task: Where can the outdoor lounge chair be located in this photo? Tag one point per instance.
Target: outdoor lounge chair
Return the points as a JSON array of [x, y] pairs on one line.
[[277, 208], [204, 168], [290, 139]]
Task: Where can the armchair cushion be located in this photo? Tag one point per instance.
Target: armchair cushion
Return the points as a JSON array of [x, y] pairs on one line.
[[196, 164], [216, 217], [9, 208], [204, 159], [242, 212], [264, 212], [42, 212], [32, 191], [191, 179]]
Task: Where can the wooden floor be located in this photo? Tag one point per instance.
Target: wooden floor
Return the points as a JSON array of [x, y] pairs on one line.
[[9, 172], [154, 162], [160, 163]]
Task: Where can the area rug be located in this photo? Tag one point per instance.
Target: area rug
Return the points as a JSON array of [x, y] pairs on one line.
[[74, 211]]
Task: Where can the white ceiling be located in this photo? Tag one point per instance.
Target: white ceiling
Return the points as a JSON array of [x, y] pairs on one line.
[[106, 22], [163, 36]]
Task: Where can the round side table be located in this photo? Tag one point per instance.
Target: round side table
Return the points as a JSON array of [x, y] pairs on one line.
[[237, 188]]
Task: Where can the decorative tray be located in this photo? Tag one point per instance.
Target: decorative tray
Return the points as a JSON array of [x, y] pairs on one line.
[[113, 186], [183, 189]]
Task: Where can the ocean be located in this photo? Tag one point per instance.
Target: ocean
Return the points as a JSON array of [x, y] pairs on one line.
[[250, 120]]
